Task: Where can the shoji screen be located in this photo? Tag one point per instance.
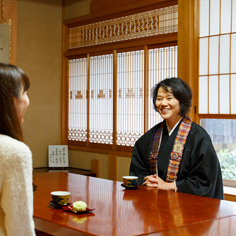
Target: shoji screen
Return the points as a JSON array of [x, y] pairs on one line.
[[101, 99], [217, 57], [130, 97], [217, 80], [77, 117]]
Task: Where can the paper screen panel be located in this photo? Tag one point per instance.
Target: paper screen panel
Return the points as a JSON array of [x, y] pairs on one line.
[[77, 117], [130, 97], [204, 19], [214, 17], [203, 97], [224, 94], [101, 99], [233, 53], [225, 16], [214, 55], [162, 64], [233, 94], [203, 54], [217, 45], [213, 94], [224, 53], [233, 15]]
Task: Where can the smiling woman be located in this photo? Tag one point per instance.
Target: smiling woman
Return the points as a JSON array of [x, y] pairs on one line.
[[177, 154]]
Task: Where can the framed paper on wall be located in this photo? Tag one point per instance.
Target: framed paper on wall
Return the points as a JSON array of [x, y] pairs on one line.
[[58, 156]]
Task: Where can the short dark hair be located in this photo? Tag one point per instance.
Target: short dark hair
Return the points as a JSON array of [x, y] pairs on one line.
[[12, 80], [181, 91]]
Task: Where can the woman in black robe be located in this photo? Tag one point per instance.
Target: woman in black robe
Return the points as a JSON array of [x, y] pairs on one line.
[[199, 169]]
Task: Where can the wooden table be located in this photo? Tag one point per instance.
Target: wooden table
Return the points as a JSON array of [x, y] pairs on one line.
[[128, 212]]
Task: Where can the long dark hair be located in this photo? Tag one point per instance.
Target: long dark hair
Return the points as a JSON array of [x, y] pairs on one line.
[[12, 79], [181, 91]]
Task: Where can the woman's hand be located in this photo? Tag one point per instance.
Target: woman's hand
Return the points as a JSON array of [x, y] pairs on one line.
[[156, 182]]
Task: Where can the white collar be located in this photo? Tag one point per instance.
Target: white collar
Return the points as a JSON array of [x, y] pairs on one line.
[[170, 131]]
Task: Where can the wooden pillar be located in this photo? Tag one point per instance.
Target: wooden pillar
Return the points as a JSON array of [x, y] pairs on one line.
[[187, 48], [64, 86], [95, 166], [114, 98], [112, 167], [146, 86]]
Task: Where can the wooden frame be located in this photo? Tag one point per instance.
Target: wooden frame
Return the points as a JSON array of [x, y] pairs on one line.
[[187, 49]]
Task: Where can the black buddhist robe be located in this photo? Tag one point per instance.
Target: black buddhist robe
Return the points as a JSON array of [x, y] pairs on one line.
[[199, 171]]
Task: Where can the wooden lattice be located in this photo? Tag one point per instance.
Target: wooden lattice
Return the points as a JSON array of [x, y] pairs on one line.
[[77, 135], [149, 23]]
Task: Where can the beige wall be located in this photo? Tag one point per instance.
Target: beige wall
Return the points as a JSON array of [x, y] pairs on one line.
[[83, 160], [39, 53]]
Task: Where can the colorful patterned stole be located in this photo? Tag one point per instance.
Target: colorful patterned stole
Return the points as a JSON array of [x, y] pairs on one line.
[[177, 151]]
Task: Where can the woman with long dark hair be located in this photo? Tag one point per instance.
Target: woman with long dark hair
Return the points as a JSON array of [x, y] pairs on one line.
[[16, 189]]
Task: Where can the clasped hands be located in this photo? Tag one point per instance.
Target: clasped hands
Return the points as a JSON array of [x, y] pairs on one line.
[[156, 182]]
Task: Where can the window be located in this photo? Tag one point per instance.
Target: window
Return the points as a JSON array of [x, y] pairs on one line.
[[77, 123], [101, 99], [98, 126], [223, 136], [130, 97], [217, 78]]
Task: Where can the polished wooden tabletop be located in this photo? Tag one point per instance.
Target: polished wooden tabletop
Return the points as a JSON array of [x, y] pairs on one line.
[[218, 227], [128, 212]]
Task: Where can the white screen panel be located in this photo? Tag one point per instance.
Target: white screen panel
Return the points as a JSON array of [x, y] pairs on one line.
[[217, 56], [213, 94], [224, 94], [204, 19], [77, 117], [233, 53], [234, 16], [224, 53], [214, 20], [101, 99], [233, 94], [225, 16], [130, 97], [203, 56], [214, 55], [203, 95]]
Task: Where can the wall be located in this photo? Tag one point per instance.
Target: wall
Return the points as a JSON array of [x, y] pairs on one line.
[[83, 160], [39, 53]]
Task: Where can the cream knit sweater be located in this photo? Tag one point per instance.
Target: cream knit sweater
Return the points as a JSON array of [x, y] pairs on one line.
[[16, 193]]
